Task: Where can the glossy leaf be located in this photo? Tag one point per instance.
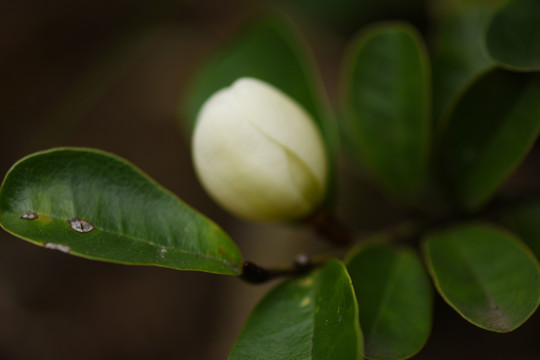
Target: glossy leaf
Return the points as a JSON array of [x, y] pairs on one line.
[[459, 55], [271, 51], [524, 221], [387, 104], [485, 274], [314, 317], [513, 36], [489, 132], [98, 206], [394, 300]]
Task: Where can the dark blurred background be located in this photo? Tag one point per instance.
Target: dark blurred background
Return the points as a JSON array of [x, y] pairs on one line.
[[109, 75]]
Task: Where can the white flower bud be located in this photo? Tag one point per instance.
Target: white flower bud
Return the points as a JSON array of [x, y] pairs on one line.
[[259, 154]]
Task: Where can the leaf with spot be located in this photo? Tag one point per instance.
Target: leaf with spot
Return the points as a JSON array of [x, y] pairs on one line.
[[486, 274], [313, 317], [394, 300], [98, 206]]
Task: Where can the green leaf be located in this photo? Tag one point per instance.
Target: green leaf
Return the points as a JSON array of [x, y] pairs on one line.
[[513, 36], [485, 274], [387, 104], [347, 16], [458, 55], [271, 51], [314, 317], [98, 206], [489, 132], [394, 300], [524, 221]]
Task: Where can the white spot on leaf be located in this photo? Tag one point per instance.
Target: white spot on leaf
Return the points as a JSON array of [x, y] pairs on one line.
[[305, 302], [80, 225], [63, 248], [162, 252], [306, 282], [29, 215]]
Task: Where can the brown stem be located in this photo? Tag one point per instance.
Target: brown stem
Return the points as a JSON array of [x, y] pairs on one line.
[[330, 228], [256, 274], [325, 224]]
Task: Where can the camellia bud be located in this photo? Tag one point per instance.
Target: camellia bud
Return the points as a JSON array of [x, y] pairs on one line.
[[259, 154]]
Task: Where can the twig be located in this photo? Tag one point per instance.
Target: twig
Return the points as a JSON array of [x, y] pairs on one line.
[[324, 223], [256, 274]]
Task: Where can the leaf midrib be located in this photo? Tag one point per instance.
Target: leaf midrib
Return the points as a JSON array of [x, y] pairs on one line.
[[148, 242], [388, 290], [478, 280]]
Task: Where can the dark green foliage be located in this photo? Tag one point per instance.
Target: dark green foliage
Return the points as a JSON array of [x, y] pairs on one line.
[[458, 56], [524, 221], [392, 288], [98, 206], [486, 274], [488, 133], [387, 105], [313, 317], [513, 36]]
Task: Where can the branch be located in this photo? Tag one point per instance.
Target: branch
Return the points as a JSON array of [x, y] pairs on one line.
[[256, 274], [324, 223]]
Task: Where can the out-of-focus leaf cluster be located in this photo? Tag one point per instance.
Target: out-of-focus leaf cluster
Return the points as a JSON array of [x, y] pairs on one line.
[[447, 114]]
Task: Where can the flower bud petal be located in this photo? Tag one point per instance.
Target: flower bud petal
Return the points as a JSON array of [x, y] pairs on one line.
[[259, 154]]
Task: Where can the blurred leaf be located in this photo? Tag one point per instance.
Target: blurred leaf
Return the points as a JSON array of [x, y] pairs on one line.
[[271, 51], [524, 221], [314, 317], [458, 55], [386, 101], [394, 300], [98, 206], [513, 36], [485, 274], [489, 132], [347, 16]]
